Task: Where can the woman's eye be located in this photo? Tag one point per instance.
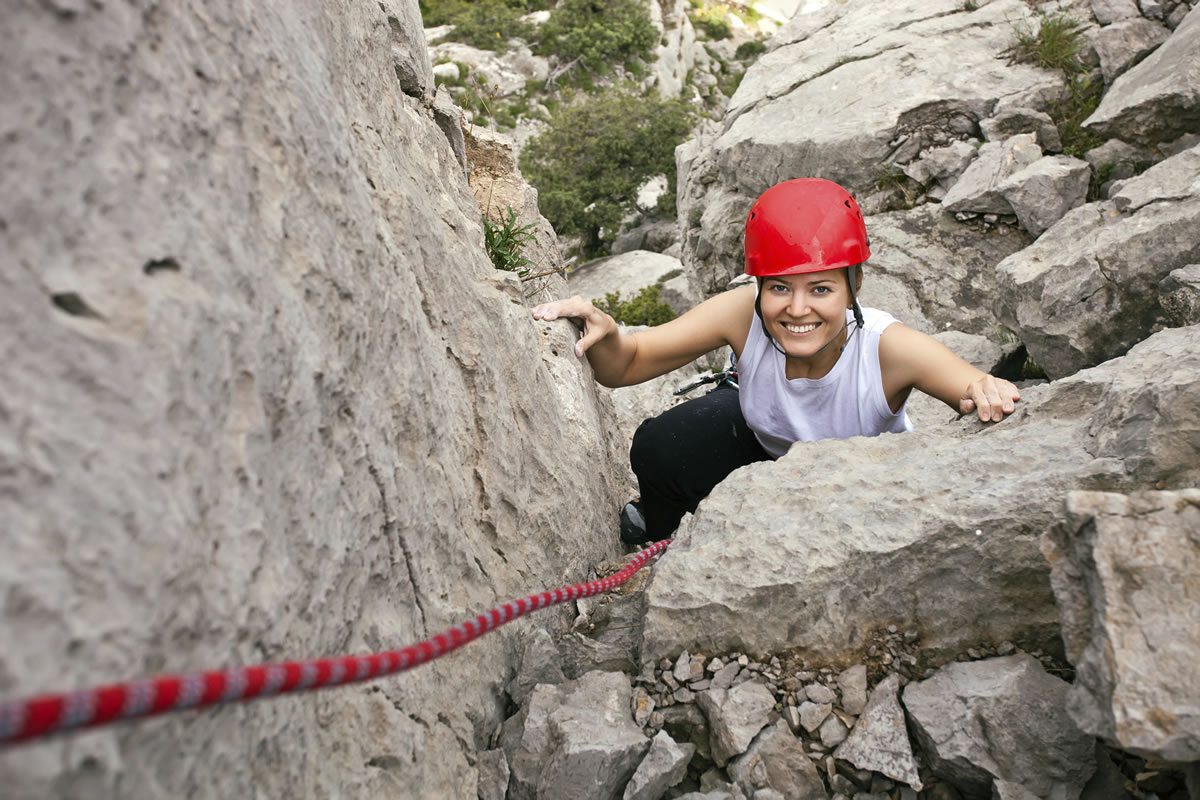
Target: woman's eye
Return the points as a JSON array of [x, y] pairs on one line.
[[778, 288]]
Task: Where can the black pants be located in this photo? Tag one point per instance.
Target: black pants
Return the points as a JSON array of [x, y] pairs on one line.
[[680, 455]]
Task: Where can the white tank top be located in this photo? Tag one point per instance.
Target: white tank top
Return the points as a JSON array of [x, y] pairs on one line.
[[849, 401]]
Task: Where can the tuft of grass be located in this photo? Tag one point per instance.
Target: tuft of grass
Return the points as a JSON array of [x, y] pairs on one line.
[[748, 50], [505, 242], [1056, 44]]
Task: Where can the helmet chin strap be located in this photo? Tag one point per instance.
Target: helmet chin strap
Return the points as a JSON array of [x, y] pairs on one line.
[[851, 272]]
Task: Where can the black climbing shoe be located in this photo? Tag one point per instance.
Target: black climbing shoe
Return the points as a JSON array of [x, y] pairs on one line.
[[633, 525]]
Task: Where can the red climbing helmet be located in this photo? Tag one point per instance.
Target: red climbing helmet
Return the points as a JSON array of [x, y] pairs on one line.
[[804, 225]]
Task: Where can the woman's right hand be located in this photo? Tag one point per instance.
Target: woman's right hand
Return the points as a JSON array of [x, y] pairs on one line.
[[595, 323]]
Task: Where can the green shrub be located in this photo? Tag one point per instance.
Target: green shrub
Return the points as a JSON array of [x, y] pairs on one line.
[[1082, 98], [588, 163], [598, 33], [644, 308], [486, 24], [713, 21], [505, 243], [1055, 44], [748, 50]]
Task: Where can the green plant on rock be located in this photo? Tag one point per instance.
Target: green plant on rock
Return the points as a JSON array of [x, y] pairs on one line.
[[1056, 44], [589, 162], [598, 33], [713, 21], [748, 50], [505, 242], [486, 24], [1081, 99], [644, 308]]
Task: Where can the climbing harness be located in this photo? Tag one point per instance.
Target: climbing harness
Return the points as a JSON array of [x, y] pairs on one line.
[[726, 377], [43, 715]]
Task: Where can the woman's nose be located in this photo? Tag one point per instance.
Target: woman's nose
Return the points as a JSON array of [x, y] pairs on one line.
[[798, 306]]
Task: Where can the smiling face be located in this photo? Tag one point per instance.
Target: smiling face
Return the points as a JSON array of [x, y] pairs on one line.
[[804, 313]]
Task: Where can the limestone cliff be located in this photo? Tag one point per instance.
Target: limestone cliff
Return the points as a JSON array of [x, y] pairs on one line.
[[264, 397]]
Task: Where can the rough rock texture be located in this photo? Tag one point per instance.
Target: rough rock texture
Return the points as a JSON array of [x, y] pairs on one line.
[[757, 570], [735, 716], [978, 189], [675, 55], [933, 273], [1001, 719], [879, 741], [1088, 288], [1179, 295], [493, 775], [575, 740], [265, 397], [540, 662], [791, 115], [1126, 575], [1041, 193], [664, 765], [1123, 44], [776, 761], [1159, 99]]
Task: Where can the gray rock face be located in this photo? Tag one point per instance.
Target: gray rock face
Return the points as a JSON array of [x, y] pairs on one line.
[[776, 761], [1110, 11], [540, 662], [748, 573], [933, 273], [853, 683], [942, 165], [735, 716], [979, 188], [1159, 99], [1012, 121], [1179, 295], [1041, 193], [1003, 719], [575, 740], [1126, 572], [493, 775], [262, 386], [879, 741], [1088, 288], [664, 766], [1123, 44]]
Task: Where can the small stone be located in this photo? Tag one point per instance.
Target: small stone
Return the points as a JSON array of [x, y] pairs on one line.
[[725, 676], [819, 693], [843, 785], [973, 653], [805, 676], [665, 664], [715, 665], [696, 670], [683, 667], [776, 663], [684, 695], [853, 683], [657, 720], [643, 706], [1006, 648], [833, 731], [892, 629], [699, 686], [813, 714], [791, 715], [670, 681], [743, 660]]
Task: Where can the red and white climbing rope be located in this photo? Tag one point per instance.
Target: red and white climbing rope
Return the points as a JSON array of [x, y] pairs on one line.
[[35, 717]]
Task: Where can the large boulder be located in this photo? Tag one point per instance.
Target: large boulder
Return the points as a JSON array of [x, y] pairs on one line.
[[265, 398], [934, 531], [1126, 575], [1003, 720], [879, 740], [1159, 99], [1088, 289]]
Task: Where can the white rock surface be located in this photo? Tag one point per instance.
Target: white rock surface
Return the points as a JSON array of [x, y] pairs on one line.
[[1123, 44], [1126, 575], [1043, 192], [735, 716], [664, 766], [978, 190], [776, 761]]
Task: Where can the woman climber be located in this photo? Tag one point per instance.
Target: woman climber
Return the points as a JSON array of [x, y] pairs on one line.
[[811, 363]]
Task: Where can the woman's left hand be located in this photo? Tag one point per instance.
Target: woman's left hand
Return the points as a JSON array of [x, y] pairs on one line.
[[993, 398]]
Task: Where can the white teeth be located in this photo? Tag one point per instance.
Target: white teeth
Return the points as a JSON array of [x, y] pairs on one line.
[[801, 328]]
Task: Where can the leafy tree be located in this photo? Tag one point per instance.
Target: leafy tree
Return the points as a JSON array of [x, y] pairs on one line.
[[486, 24], [599, 33], [588, 164], [644, 308]]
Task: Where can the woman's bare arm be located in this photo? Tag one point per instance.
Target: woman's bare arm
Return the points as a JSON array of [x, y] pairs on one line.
[[623, 360]]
